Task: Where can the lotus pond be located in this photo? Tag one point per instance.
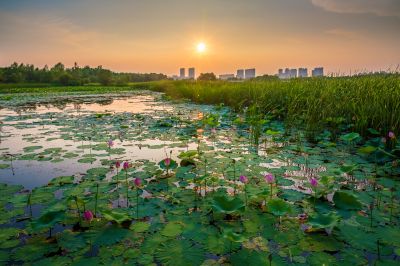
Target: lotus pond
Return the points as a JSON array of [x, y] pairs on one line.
[[132, 178]]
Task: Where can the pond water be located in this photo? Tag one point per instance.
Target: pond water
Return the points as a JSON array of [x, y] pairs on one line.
[[52, 134], [211, 203]]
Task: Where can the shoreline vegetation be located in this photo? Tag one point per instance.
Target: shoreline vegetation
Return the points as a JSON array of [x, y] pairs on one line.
[[368, 105]]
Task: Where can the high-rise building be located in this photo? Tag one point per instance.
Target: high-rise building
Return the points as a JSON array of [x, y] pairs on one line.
[[191, 73], [280, 72], [182, 73], [250, 73], [240, 74], [227, 76], [303, 72], [293, 73], [318, 72]]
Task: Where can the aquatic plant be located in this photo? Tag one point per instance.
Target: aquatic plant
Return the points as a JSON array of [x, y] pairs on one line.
[[126, 166], [244, 180], [270, 179], [138, 182]]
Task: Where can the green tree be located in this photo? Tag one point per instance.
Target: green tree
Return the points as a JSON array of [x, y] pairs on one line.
[[207, 76]]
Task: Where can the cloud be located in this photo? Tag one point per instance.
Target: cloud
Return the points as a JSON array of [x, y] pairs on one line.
[[376, 7]]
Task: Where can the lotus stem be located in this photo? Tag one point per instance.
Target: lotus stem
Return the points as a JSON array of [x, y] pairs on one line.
[[97, 196], [245, 195], [137, 203], [127, 188], [270, 196], [30, 204], [77, 207]]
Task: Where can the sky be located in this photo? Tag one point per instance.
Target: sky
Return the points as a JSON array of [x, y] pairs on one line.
[[161, 35]]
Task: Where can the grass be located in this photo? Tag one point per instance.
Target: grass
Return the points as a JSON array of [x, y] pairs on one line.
[[336, 104], [44, 88]]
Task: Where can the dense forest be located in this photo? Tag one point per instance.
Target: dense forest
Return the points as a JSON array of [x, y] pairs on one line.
[[74, 76]]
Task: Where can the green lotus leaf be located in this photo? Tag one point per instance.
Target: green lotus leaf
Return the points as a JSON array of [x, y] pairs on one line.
[[346, 201], [179, 253], [62, 180], [233, 237], [278, 207], [71, 241], [4, 166], [323, 221], [117, 216], [367, 149], [48, 220], [139, 227], [110, 235], [172, 229], [188, 154], [227, 206], [350, 137]]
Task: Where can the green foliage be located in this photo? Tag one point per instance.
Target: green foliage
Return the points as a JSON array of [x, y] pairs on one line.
[[278, 207], [346, 201], [207, 77], [179, 253], [227, 206], [59, 75]]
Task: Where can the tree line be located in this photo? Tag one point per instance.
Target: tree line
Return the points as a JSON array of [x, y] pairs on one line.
[[74, 76]]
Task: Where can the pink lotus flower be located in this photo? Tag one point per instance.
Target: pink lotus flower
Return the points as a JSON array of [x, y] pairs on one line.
[[125, 165], [110, 143], [243, 179], [302, 217], [269, 178], [88, 216], [117, 164], [167, 161], [391, 135], [314, 182], [137, 181]]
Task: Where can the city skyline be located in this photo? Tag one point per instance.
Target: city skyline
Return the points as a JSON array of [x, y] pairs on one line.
[[159, 36]]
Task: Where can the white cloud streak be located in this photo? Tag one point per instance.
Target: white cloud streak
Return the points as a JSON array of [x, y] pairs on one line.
[[376, 7]]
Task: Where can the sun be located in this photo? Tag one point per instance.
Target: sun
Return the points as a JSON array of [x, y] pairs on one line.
[[201, 47]]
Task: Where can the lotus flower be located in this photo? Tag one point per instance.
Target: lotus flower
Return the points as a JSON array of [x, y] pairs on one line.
[[213, 130], [314, 182], [269, 178], [117, 164], [243, 179], [391, 135], [302, 217], [110, 143], [137, 181], [88, 216], [125, 165], [167, 161]]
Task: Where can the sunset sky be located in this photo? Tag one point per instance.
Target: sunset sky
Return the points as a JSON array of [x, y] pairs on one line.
[[162, 35]]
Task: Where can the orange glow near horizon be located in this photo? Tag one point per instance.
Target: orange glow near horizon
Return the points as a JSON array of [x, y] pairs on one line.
[[153, 36]]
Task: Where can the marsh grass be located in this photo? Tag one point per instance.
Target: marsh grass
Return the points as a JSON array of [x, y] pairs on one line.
[[314, 104]]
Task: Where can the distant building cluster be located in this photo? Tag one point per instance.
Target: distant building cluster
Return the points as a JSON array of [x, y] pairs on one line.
[[240, 74], [300, 73], [250, 73], [182, 74]]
